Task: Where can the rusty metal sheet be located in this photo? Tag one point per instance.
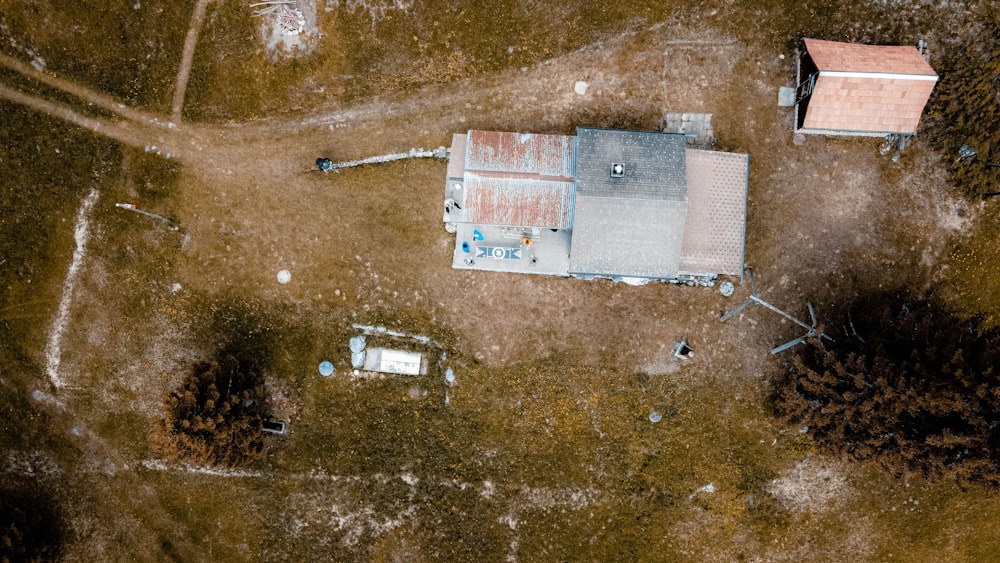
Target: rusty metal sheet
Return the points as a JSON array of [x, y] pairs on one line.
[[503, 200], [548, 156]]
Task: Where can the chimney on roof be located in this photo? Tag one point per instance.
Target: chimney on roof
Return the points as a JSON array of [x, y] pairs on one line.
[[617, 170]]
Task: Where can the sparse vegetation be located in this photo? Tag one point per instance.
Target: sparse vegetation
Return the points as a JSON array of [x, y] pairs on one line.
[[215, 417], [908, 385], [965, 110]]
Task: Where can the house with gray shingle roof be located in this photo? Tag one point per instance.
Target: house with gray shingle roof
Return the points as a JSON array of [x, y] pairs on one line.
[[603, 203], [861, 90]]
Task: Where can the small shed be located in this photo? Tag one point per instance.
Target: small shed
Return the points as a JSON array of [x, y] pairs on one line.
[[861, 90]]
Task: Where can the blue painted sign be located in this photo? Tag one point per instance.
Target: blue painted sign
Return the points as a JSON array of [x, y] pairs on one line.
[[498, 252]]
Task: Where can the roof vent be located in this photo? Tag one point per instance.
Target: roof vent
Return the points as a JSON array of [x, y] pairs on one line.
[[617, 170]]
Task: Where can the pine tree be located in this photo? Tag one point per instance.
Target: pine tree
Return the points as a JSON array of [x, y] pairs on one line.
[[909, 386], [965, 110], [215, 417]]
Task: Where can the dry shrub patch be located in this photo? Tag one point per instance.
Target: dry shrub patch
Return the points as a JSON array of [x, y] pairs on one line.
[[32, 526]]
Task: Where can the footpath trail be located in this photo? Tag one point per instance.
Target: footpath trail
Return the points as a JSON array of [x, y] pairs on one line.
[[86, 94], [184, 72]]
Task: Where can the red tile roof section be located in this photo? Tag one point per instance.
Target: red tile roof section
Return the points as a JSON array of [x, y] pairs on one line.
[[714, 234], [853, 57], [867, 104]]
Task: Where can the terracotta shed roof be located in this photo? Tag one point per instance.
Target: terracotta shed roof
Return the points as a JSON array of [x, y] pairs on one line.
[[853, 57], [881, 105], [866, 89]]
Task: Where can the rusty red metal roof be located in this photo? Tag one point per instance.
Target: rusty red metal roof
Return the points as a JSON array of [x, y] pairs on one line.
[[519, 179], [548, 156], [854, 57], [498, 200]]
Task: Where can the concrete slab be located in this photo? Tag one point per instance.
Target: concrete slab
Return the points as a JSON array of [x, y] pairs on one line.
[[454, 202], [697, 127], [507, 249], [786, 96]]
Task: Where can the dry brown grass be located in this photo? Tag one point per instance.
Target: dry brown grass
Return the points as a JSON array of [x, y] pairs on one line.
[[545, 451]]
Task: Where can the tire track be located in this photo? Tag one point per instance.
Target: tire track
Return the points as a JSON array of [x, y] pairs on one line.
[[102, 101]]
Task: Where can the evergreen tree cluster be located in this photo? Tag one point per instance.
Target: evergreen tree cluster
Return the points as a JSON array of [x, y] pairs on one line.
[[31, 529], [908, 385], [215, 417], [965, 110]]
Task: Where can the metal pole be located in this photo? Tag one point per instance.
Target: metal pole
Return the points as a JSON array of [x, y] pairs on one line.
[[790, 344], [738, 308], [132, 207], [780, 312]]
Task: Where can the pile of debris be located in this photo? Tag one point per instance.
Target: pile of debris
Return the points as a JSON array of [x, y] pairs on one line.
[[291, 20]]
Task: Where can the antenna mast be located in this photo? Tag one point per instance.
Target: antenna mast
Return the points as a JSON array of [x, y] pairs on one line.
[[811, 329]]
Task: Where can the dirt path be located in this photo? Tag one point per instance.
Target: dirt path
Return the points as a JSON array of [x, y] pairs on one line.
[[184, 72], [253, 201], [243, 219], [694, 71], [100, 100]]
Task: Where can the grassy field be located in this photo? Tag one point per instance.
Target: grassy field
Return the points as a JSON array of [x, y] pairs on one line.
[[544, 449]]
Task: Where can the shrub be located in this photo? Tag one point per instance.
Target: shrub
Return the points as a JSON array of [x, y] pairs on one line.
[[32, 527]]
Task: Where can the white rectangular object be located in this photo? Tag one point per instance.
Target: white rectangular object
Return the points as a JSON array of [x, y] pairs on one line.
[[398, 362]]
